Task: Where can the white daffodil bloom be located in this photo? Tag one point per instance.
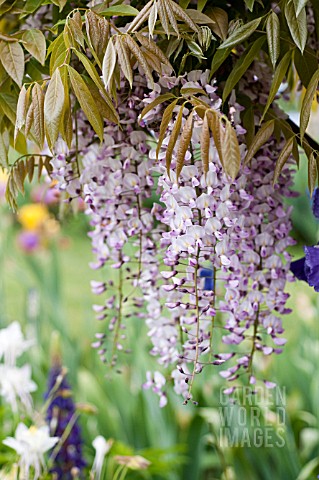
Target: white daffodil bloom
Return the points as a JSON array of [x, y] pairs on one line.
[[12, 343], [31, 444], [102, 447]]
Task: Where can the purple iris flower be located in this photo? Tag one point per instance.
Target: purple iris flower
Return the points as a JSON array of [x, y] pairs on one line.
[[60, 415], [315, 203], [307, 268], [208, 275]]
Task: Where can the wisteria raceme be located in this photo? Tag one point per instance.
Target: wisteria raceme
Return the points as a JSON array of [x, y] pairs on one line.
[[115, 180], [206, 266], [240, 230]]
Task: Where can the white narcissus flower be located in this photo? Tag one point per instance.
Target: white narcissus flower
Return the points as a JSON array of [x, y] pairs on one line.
[[12, 343], [16, 383], [31, 444], [102, 447]]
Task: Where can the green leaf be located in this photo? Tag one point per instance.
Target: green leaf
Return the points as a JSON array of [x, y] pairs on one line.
[[240, 34], [306, 64], [307, 103], [312, 173], [297, 25], [109, 62], [273, 37], [199, 17], [59, 54], [53, 106], [264, 133], [282, 159], [158, 100], [89, 67], [86, 101], [117, 10], [250, 4], [299, 5], [279, 75], [201, 4], [34, 43], [59, 3], [218, 59], [12, 58], [242, 66], [8, 104], [31, 6]]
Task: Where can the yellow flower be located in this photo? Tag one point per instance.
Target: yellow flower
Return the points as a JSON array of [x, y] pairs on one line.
[[33, 216]]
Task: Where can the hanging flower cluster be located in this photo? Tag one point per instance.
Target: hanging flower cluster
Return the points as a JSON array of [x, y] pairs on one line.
[[207, 263]]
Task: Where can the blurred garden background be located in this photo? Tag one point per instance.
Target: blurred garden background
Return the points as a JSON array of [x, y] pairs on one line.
[[45, 285]]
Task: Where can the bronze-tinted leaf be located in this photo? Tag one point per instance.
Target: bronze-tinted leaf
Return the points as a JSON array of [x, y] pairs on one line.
[[307, 103], [312, 173], [184, 143], [98, 30], [132, 45], [263, 134], [124, 58], [86, 102], [4, 148], [152, 19], [204, 144], [173, 138], [53, 107], [180, 13], [21, 111], [153, 48], [216, 128], [141, 17], [162, 13], [12, 58], [231, 152], [30, 168], [283, 158], [170, 14], [279, 76], [38, 114], [220, 18], [109, 62], [167, 116], [29, 120]]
